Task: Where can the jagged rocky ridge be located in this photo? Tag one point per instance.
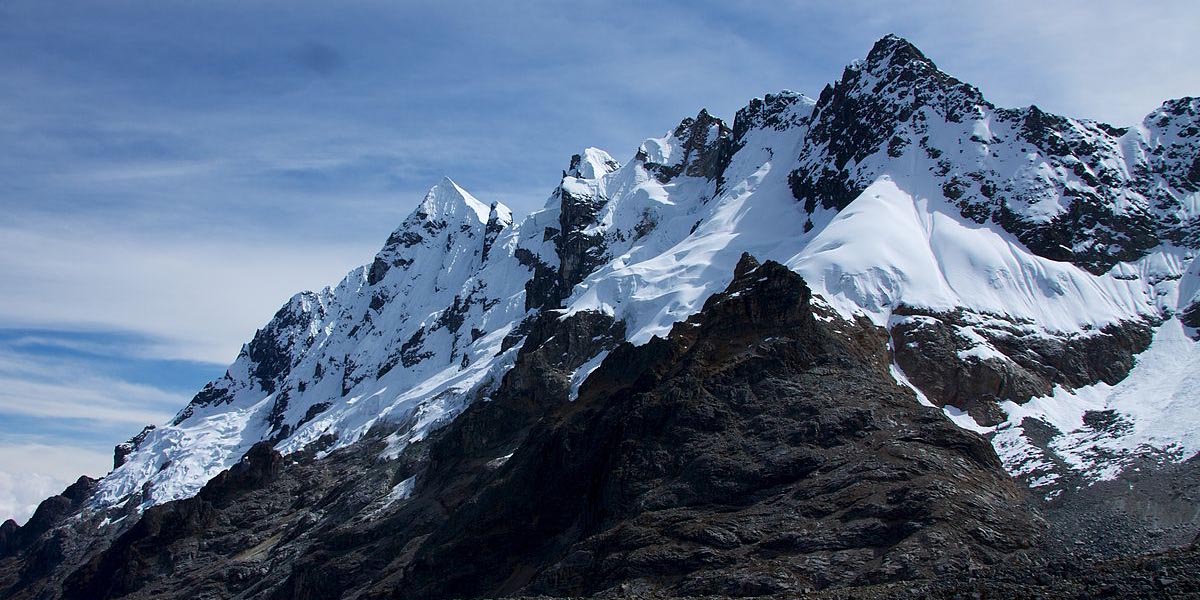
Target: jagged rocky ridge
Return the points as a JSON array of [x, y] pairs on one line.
[[1068, 189], [762, 447], [757, 449], [1035, 277]]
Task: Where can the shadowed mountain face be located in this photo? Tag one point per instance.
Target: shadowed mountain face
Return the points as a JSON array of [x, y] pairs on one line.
[[762, 447], [968, 355]]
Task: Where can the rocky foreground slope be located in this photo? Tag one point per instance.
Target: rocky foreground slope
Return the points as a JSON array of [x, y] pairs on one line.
[[969, 353]]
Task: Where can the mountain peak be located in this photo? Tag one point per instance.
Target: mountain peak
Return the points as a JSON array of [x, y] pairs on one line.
[[592, 163], [448, 200], [445, 203], [699, 125], [874, 99], [499, 213], [1186, 107], [896, 67], [895, 50], [696, 147], [778, 111]]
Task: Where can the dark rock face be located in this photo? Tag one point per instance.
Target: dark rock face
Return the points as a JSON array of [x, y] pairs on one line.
[[542, 289], [32, 555], [754, 451], [273, 347], [49, 514], [123, 450], [214, 393], [972, 361], [1191, 315], [770, 111], [706, 145], [239, 537], [144, 551], [8, 532], [855, 117], [539, 382], [579, 253], [495, 224], [1169, 574]]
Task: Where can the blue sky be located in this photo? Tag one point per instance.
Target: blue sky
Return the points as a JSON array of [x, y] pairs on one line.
[[171, 172]]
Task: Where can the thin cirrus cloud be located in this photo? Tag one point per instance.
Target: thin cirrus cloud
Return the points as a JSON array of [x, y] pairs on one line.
[[176, 293], [170, 173], [90, 385], [96, 399], [64, 399]]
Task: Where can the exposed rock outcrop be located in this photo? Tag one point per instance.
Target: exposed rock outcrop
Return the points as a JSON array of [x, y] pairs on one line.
[[973, 362], [756, 450]]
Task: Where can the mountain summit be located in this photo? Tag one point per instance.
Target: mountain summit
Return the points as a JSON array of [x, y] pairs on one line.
[[890, 333]]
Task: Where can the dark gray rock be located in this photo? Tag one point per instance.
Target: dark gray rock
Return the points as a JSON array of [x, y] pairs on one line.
[[745, 452], [123, 450], [1021, 363]]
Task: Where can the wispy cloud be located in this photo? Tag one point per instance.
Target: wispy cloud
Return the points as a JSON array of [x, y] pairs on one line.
[[69, 387], [67, 398], [93, 400], [195, 299]]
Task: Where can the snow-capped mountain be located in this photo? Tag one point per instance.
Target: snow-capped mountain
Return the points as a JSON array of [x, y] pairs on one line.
[[406, 341], [1034, 255], [804, 350]]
